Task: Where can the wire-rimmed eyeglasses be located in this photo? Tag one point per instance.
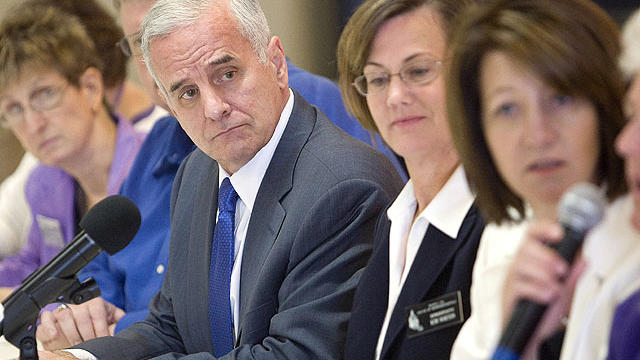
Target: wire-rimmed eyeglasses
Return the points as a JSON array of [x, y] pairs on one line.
[[417, 72], [131, 45], [42, 99]]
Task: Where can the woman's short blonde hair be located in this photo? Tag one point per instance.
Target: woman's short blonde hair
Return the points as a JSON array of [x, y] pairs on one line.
[[103, 30], [39, 37]]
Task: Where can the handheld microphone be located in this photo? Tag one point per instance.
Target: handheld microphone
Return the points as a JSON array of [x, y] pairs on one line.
[[110, 225], [580, 209]]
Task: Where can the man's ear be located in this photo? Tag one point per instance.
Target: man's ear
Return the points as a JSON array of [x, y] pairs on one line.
[[276, 57], [91, 84]]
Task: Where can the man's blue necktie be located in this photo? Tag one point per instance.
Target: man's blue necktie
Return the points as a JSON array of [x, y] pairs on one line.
[[222, 256]]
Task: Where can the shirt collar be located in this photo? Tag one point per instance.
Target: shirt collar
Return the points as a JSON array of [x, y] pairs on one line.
[[446, 211], [246, 181], [405, 203]]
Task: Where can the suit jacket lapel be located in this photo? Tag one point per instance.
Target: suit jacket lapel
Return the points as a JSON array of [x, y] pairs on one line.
[[268, 214], [435, 252], [201, 240]]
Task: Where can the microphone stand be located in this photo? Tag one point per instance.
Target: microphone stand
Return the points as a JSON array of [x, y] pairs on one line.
[[21, 309]]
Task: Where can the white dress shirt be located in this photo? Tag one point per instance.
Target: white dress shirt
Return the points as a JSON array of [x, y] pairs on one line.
[[446, 212], [246, 182]]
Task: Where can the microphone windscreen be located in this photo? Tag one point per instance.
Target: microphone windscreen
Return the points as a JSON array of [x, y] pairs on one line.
[[581, 207], [112, 223]]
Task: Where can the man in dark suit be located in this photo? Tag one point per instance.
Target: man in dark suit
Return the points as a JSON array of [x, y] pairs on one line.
[[304, 197]]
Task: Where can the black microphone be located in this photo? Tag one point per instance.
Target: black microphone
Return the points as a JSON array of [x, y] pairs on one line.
[[110, 225], [580, 209]]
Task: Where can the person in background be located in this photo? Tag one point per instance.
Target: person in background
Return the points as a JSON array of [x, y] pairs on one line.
[[130, 280], [392, 58], [296, 197], [625, 327], [531, 116], [52, 99], [121, 95]]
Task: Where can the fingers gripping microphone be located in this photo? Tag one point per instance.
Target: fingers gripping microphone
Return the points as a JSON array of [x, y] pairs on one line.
[[109, 225], [580, 209]]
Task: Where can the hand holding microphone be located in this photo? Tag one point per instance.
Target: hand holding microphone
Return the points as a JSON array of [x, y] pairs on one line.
[[539, 272]]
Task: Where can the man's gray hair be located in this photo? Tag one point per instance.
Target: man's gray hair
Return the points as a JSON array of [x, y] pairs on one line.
[[168, 16], [630, 59]]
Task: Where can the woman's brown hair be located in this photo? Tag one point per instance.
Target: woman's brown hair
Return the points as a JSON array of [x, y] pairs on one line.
[[355, 42], [572, 45]]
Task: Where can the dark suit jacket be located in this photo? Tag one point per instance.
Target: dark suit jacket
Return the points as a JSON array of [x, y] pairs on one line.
[[442, 265], [309, 237]]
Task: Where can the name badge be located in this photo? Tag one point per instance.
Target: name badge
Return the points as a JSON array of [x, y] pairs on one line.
[[435, 314], [51, 231]]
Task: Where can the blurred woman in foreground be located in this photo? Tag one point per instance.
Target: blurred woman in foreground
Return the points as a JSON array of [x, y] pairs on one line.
[[531, 116]]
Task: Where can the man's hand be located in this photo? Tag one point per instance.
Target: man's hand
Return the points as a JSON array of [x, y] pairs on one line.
[[71, 325]]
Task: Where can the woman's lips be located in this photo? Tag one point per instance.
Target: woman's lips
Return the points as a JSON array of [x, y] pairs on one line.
[[545, 166], [47, 144], [406, 120]]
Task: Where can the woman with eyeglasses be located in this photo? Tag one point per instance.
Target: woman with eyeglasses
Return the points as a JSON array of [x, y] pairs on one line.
[[121, 95], [52, 99], [414, 293]]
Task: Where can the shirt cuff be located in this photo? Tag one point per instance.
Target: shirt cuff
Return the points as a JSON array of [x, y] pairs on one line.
[[81, 354]]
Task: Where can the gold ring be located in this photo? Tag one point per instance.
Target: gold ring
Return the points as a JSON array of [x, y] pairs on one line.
[[62, 307]]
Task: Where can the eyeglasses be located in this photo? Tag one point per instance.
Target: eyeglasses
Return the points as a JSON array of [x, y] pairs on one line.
[[42, 99], [415, 73], [131, 45]]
